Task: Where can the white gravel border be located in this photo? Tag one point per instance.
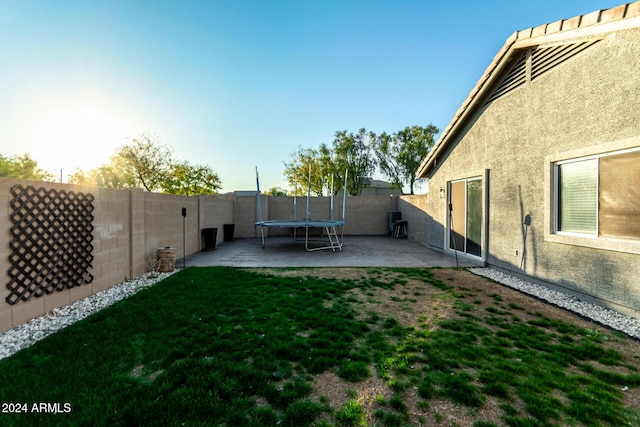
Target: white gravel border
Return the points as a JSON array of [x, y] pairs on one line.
[[22, 336], [602, 315]]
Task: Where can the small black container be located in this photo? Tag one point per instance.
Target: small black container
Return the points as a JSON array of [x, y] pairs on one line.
[[209, 236]]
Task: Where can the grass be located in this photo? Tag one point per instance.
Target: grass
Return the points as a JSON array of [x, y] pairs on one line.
[[229, 347]]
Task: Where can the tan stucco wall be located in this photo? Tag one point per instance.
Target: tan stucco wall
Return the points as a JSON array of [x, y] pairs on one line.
[[586, 105]]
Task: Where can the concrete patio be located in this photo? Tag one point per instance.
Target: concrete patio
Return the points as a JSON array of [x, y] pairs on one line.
[[357, 251]]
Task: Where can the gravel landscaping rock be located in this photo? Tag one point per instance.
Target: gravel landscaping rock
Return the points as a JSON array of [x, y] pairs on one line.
[[597, 313]]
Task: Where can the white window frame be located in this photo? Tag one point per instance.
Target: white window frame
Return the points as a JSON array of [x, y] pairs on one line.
[[556, 195]]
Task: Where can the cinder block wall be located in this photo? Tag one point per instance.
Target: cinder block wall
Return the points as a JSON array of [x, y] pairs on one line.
[[246, 214], [369, 215], [130, 225], [414, 211], [113, 239], [128, 228], [214, 212]]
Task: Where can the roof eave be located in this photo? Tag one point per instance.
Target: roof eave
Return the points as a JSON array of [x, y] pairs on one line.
[[490, 74], [601, 21]]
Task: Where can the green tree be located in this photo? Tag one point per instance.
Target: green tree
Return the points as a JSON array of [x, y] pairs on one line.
[[400, 155], [108, 176], [145, 162], [349, 153], [387, 154], [353, 153], [277, 191], [187, 179], [23, 167], [306, 169]]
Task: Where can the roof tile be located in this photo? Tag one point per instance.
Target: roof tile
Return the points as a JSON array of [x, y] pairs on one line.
[[590, 18], [539, 31], [613, 13], [554, 27], [571, 23], [633, 9]]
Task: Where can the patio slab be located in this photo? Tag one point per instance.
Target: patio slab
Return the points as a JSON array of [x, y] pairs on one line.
[[357, 251]]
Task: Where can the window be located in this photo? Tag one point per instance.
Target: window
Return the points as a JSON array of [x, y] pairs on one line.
[[578, 196], [599, 196]]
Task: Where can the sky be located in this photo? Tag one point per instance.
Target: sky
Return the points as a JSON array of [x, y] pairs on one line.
[[240, 84]]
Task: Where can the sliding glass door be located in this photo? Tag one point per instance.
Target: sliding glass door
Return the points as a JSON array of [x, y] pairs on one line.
[[465, 216]]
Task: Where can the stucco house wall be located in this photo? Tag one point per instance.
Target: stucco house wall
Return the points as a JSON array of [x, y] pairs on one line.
[[584, 106]]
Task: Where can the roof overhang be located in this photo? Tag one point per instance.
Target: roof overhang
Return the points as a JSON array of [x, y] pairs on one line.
[[600, 22]]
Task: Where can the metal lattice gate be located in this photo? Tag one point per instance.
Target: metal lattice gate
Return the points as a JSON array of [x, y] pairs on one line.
[[51, 241]]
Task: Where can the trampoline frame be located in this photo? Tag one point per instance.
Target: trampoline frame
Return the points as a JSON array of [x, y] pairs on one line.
[[330, 225]]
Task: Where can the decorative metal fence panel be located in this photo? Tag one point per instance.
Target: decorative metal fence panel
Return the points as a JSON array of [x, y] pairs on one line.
[[51, 241]]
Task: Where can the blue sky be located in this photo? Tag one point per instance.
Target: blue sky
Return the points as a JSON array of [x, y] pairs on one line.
[[239, 84]]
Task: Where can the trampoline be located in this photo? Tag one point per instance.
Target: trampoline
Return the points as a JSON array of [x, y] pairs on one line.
[[331, 225]]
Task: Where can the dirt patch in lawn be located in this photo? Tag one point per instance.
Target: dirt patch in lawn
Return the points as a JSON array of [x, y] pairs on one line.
[[413, 303]]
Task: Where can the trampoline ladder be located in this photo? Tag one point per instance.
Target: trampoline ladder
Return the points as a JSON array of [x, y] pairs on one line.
[[334, 240]]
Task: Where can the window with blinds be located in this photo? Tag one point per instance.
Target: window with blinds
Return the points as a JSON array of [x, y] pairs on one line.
[[578, 197], [600, 196]]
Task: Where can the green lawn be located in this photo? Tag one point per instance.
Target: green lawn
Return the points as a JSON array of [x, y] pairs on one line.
[[230, 347]]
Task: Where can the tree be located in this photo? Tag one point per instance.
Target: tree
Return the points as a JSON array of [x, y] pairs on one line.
[[149, 165], [186, 179], [277, 191], [306, 169], [23, 167], [401, 154], [146, 162], [109, 176], [352, 153], [387, 153]]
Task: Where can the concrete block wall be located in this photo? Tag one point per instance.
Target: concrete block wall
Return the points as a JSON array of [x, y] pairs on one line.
[[130, 225], [128, 228], [365, 215], [215, 212], [245, 215], [163, 225], [415, 211], [369, 215], [111, 249]]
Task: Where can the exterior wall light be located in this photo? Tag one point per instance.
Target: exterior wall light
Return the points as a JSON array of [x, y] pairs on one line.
[[442, 192]]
